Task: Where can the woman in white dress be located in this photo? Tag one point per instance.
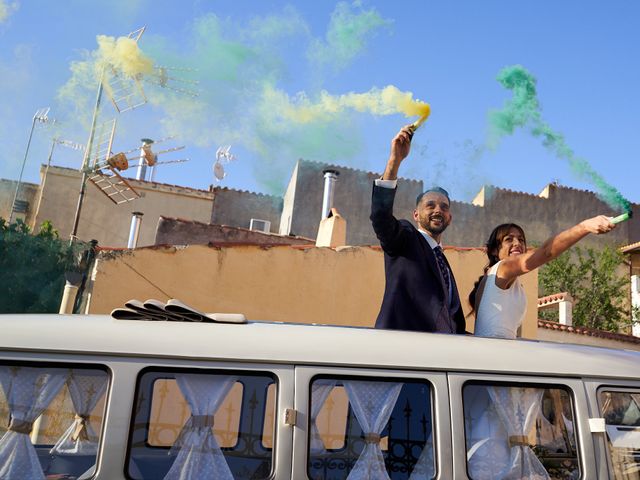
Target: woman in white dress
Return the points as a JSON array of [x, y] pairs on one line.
[[498, 299], [499, 302]]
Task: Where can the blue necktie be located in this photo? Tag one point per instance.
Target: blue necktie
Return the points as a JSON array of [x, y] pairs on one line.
[[442, 264]]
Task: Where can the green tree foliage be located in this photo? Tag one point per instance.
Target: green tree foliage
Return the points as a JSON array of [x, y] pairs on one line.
[[32, 268], [593, 280]]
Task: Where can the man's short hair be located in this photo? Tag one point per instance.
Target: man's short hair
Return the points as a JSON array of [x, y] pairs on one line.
[[439, 190]]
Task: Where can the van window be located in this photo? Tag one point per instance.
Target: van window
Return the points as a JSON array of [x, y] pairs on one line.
[[202, 424], [519, 431], [50, 419], [621, 411], [362, 424]]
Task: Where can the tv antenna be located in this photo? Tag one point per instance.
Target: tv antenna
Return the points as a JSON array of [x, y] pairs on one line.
[[106, 166], [223, 156], [124, 91], [40, 117], [165, 77], [149, 158]]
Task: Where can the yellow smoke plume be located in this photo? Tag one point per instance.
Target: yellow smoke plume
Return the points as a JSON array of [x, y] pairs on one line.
[[123, 54], [386, 101]]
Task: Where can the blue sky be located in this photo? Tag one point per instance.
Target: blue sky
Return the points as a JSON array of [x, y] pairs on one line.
[[584, 55]]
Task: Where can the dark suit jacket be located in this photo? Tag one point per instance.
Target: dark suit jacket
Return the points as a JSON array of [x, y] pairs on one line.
[[414, 295]]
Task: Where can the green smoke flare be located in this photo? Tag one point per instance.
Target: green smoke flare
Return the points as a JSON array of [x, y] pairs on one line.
[[523, 111]]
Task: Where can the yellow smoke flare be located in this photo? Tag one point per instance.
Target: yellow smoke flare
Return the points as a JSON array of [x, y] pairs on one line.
[[123, 54], [386, 101]]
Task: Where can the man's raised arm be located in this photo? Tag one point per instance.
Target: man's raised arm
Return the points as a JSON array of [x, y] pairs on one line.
[[387, 228]]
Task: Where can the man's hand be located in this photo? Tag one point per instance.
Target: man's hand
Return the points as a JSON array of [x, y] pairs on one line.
[[598, 225], [400, 147]]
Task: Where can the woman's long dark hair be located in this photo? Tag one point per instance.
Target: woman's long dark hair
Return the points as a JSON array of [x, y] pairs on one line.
[[493, 246]]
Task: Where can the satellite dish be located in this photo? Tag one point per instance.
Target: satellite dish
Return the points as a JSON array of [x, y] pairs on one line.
[[223, 155], [218, 171]]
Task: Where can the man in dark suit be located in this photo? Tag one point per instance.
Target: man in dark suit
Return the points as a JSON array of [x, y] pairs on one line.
[[420, 292]]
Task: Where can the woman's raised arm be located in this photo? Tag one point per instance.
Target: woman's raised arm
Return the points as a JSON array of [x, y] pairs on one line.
[[512, 267]]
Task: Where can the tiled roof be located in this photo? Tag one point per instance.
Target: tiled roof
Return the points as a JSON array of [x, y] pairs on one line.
[[230, 227], [590, 332], [554, 298], [227, 189], [216, 245]]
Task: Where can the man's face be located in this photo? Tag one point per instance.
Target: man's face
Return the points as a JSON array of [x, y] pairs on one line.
[[432, 213]]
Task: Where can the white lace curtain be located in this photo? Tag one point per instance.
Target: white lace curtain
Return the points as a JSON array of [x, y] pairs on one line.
[[518, 409], [28, 392], [320, 390], [86, 388], [372, 403], [424, 468], [198, 453]]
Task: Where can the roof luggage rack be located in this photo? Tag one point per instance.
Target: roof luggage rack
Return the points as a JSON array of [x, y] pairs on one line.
[[174, 310]]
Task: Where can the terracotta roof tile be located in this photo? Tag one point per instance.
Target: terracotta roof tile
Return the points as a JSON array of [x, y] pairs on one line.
[[230, 227], [630, 248], [590, 332], [554, 298]]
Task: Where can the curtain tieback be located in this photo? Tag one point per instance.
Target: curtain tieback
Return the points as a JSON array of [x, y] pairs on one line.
[[202, 421], [372, 438], [518, 441], [80, 432], [20, 426]]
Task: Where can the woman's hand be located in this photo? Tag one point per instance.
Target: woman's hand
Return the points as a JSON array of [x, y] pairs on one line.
[[598, 225]]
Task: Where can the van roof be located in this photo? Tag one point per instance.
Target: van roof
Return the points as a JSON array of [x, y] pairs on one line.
[[308, 345]]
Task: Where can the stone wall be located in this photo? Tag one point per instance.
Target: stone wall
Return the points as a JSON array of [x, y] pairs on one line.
[[352, 199], [553, 210], [541, 216], [237, 208]]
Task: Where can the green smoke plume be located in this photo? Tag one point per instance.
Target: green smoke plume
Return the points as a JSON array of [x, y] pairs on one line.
[[6, 9], [523, 110], [347, 35], [242, 98]]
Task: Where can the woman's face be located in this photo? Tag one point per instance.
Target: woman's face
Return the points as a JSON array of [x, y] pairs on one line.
[[513, 243]]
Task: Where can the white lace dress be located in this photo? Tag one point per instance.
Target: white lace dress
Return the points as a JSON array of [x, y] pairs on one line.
[[501, 311]]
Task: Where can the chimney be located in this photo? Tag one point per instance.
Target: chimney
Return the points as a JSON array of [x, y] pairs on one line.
[[134, 231], [332, 231], [330, 177]]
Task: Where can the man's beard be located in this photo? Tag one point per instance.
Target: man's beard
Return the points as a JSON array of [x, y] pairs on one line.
[[435, 230]]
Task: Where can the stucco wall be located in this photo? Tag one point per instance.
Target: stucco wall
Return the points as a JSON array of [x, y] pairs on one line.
[[109, 223], [284, 283], [568, 337]]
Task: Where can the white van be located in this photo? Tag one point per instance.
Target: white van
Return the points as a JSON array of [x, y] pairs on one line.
[[93, 397]]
